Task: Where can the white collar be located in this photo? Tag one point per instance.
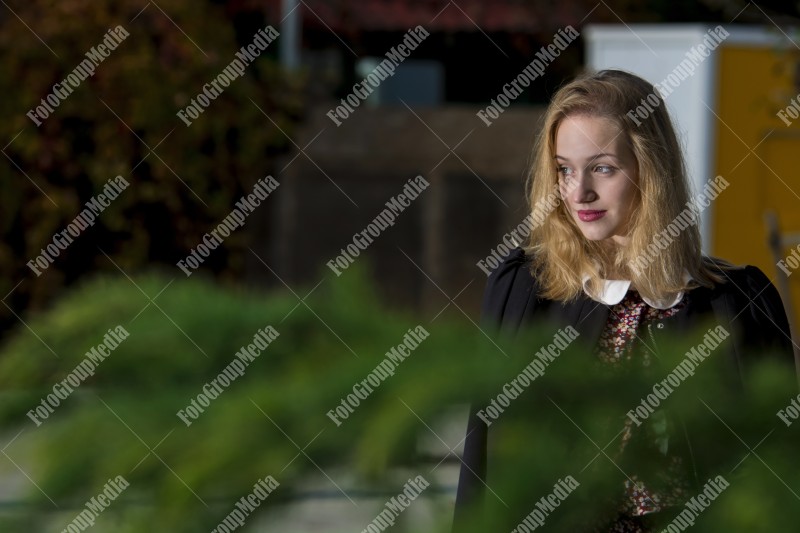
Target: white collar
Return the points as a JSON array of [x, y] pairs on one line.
[[614, 290]]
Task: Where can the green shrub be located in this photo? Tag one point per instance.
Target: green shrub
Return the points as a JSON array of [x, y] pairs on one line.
[[186, 336]]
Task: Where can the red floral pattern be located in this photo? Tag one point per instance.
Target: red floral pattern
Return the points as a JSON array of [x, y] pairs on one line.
[[626, 321], [624, 338]]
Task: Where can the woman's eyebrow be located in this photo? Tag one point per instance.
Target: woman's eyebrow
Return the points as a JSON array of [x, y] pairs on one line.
[[590, 158]]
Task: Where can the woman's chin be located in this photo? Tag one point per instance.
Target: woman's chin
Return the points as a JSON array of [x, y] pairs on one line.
[[594, 235]]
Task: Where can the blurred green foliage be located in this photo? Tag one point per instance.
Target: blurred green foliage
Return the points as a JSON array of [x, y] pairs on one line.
[[186, 336], [108, 126]]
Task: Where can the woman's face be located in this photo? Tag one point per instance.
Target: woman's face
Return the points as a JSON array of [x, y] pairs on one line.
[[598, 177]]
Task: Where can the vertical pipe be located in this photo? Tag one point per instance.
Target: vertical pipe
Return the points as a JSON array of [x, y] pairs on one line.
[[290, 34]]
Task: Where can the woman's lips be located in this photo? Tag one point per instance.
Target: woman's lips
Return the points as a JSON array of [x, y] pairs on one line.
[[590, 216]]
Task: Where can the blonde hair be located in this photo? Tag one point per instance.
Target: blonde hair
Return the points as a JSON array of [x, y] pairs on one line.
[[560, 253]]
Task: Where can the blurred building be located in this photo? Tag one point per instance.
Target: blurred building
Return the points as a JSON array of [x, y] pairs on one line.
[[420, 121]]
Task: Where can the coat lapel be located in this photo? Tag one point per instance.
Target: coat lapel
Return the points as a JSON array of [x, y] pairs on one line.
[[525, 309], [585, 315]]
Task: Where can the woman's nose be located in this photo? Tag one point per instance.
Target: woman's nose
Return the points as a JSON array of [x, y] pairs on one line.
[[581, 190]]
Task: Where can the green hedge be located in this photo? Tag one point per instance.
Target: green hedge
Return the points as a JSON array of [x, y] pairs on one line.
[[548, 433]]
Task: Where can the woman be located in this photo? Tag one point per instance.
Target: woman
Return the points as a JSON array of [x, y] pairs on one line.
[[602, 262]]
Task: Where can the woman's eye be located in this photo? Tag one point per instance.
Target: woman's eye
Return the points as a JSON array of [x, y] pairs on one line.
[[565, 171], [604, 169]]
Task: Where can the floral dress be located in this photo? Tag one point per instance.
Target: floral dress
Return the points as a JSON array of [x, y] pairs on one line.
[[621, 342]]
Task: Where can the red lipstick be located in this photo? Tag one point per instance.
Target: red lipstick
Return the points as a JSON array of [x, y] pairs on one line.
[[591, 216]]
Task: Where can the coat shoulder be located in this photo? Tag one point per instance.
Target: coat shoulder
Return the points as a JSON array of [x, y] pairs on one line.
[[754, 305], [739, 280], [511, 278]]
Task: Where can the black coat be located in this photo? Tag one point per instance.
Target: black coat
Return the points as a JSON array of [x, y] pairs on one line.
[[748, 306]]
